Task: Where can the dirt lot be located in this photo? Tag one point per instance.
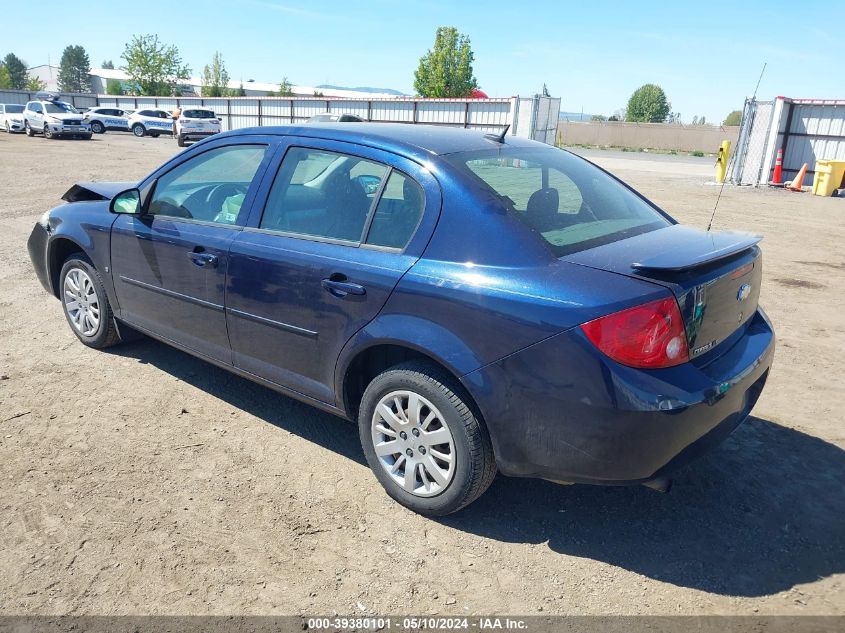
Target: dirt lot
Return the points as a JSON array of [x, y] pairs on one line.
[[143, 480]]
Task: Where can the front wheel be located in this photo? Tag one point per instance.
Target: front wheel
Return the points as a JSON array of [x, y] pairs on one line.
[[423, 441], [180, 141], [28, 128], [97, 127], [48, 133], [85, 303], [138, 130]]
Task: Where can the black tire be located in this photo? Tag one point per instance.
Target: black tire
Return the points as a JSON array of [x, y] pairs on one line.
[[85, 137], [28, 129], [138, 130], [475, 464], [107, 333], [97, 127], [180, 141], [47, 133], [154, 134]]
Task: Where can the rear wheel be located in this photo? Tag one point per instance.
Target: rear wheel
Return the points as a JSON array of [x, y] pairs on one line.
[[423, 441], [138, 130], [97, 127], [85, 303]]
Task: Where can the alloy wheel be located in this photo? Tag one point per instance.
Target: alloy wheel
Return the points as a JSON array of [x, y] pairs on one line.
[[413, 443]]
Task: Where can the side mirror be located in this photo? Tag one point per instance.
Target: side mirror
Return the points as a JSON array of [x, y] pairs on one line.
[[128, 202]]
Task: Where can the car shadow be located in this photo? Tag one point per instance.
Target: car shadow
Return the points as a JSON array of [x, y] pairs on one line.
[[762, 513]]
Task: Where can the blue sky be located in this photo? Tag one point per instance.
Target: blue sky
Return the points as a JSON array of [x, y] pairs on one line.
[[706, 55]]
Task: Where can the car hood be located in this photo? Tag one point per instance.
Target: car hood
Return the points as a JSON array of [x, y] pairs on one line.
[[64, 116], [96, 190]]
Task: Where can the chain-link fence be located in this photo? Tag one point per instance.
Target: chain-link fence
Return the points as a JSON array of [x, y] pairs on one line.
[[747, 161]]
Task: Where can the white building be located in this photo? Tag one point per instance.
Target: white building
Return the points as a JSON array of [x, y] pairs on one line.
[[100, 77], [48, 75]]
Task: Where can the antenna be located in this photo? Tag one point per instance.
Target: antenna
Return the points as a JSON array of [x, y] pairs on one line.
[[499, 138], [722, 188]]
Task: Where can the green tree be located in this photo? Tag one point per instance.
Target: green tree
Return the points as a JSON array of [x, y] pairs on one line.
[[155, 68], [648, 104], [16, 67], [285, 88], [5, 80], [446, 69], [734, 118], [74, 70], [107, 63], [34, 84], [114, 87], [598, 117], [238, 92], [215, 79]]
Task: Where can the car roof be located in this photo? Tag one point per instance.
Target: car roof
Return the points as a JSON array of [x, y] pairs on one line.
[[399, 137]]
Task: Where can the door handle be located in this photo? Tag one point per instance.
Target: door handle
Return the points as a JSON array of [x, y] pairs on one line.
[[338, 286], [201, 259]]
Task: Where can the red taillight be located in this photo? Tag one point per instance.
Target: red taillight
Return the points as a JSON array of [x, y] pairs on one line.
[[649, 336]]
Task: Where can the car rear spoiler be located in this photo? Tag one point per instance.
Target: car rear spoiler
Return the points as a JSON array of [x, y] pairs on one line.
[[685, 255]]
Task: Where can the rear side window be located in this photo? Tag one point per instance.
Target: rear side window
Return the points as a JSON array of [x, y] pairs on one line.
[[568, 202], [398, 212], [323, 194]]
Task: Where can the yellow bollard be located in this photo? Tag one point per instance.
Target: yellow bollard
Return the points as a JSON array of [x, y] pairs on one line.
[[722, 161]]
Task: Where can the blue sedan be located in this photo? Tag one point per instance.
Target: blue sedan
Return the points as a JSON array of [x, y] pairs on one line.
[[476, 303]]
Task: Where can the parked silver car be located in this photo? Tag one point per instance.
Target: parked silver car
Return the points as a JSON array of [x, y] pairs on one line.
[[54, 118]]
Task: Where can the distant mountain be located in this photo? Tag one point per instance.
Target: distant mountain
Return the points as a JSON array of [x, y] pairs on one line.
[[575, 116], [389, 91]]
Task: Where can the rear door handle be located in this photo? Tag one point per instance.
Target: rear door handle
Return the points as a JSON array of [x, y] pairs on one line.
[[339, 287], [201, 259]]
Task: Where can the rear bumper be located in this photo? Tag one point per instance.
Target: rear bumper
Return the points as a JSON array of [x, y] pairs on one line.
[[195, 135], [561, 410]]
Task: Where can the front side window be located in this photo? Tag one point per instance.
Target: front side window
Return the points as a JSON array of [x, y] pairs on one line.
[[570, 203], [323, 194], [35, 107], [210, 187]]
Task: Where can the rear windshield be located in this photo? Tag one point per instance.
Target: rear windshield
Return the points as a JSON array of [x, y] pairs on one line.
[[570, 203], [11, 109], [198, 114], [57, 107]]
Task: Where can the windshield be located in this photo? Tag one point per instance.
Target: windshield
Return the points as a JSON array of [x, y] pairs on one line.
[[14, 109], [58, 107], [570, 203], [198, 114]]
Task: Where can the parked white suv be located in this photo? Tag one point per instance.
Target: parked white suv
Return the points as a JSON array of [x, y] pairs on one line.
[[54, 118], [102, 119], [150, 122], [196, 123], [11, 117]]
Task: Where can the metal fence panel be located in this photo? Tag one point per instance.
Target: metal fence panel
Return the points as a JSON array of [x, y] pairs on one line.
[[537, 115]]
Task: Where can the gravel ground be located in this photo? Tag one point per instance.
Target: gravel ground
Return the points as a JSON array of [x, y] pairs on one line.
[[142, 480]]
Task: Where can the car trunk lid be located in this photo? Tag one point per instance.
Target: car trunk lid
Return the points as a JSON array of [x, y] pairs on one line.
[[715, 276]]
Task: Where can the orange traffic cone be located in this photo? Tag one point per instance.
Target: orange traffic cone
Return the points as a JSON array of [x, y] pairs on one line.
[[777, 177], [798, 183]]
